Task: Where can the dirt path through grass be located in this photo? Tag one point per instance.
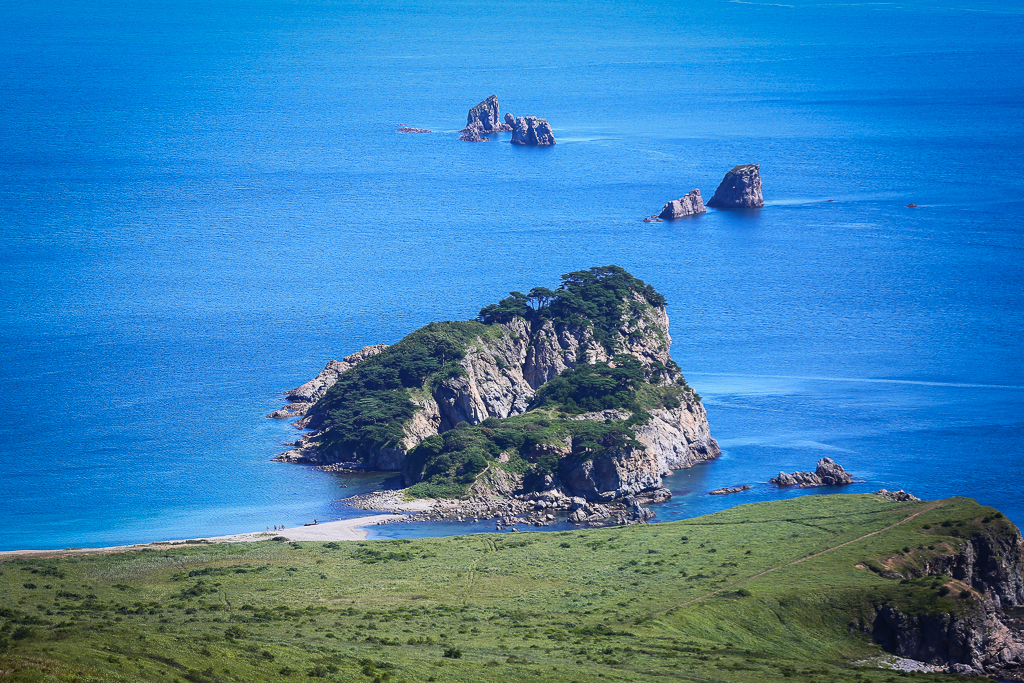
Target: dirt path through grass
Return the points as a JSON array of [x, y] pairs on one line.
[[927, 508]]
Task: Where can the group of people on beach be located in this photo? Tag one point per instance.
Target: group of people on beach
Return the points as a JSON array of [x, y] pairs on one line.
[[276, 529]]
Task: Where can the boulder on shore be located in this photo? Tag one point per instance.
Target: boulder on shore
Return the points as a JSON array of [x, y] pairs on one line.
[[688, 205], [530, 130], [827, 473], [486, 117], [740, 189]]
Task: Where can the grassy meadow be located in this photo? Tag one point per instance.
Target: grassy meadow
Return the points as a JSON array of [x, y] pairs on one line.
[[635, 603]]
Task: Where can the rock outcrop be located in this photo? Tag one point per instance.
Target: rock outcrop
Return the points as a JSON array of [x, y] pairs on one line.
[[979, 637], [900, 496], [740, 189], [827, 473], [486, 117], [688, 205], [472, 135], [302, 398], [530, 130]]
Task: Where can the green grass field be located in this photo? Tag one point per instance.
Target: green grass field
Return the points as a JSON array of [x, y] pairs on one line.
[[636, 603]]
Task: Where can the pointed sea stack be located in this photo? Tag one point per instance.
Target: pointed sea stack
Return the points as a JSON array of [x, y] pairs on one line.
[[740, 189], [530, 130], [486, 117], [687, 205]]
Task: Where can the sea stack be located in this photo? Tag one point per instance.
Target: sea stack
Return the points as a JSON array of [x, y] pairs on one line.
[[486, 117], [827, 473], [687, 205], [740, 189], [530, 130]]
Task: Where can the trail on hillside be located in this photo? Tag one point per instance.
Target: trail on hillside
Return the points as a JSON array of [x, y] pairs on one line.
[[927, 508]]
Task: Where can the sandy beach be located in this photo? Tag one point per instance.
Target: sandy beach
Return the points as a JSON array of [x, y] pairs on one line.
[[340, 530]]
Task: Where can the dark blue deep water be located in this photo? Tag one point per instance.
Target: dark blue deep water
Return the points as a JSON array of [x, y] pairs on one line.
[[201, 203]]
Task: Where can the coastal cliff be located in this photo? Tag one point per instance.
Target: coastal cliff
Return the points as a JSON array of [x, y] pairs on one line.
[[957, 595], [570, 390]]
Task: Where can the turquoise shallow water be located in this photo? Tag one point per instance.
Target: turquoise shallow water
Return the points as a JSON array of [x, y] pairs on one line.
[[202, 203]]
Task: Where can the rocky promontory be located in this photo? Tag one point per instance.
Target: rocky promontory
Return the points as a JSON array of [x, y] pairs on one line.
[[530, 130], [827, 473], [962, 595], [568, 394], [740, 189], [688, 205], [302, 398]]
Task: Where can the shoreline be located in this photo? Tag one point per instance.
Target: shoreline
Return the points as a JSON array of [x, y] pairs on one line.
[[339, 530]]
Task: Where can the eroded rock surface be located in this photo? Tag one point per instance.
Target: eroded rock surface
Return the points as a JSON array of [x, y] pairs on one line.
[[979, 637], [530, 130], [740, 189], [688, 205], [827, 473], [302, 398], [486, 117]]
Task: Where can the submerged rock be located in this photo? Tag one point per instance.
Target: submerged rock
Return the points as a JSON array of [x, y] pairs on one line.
[[688, 205], [530, 130], [827, 473], [740, 189], [473, 135]]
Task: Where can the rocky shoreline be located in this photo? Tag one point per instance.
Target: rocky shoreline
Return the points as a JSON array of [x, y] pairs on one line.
[[536, 510]]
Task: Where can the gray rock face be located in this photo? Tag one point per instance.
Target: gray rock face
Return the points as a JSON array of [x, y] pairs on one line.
[[530, 130], [302, 398], [740, 189], [688, 205], [976, 639], [827, 473], [486, 117]]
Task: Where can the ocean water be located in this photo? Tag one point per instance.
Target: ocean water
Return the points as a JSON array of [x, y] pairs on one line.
[[203, 203]]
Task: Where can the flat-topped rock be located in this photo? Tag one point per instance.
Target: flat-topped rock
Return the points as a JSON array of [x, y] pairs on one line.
[[486, 116], [740, 189], [530, 130], [688, 205]]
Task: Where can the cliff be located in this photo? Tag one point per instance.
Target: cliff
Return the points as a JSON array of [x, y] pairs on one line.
[[739, 189], [977, 568], [570, 390]]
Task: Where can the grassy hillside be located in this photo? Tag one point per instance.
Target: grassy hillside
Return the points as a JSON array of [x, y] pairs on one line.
[[685, 600]]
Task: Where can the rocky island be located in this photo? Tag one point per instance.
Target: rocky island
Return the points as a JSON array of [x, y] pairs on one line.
[[827, 473], [739, 189], [484, 118], [689, 204], [530, 130], [567, 398]]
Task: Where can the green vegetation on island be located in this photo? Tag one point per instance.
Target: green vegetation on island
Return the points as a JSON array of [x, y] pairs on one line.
[[767, 592], [370, 407]]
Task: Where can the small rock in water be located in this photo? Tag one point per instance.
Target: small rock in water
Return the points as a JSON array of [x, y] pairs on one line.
[[688, 205]]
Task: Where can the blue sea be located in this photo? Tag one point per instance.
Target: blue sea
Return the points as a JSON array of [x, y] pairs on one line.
[[201, 203]]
